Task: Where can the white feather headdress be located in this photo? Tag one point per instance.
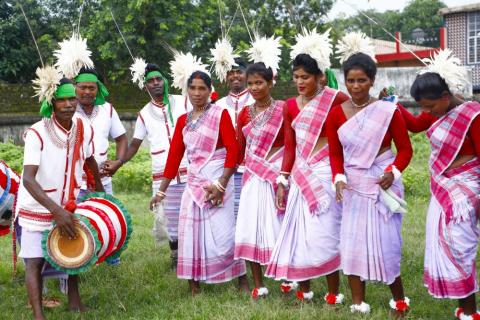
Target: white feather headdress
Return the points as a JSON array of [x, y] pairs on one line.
[[318, 46], [223, 58], [137, 69], [449, 67], [266, 50], [355, 42], [72, 55], [182, 66], [46, 83]]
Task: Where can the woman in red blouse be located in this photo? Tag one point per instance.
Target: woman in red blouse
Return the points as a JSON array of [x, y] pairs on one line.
[[308, 245], [452, 231], [367, 178], [206, 232], [260, 134]]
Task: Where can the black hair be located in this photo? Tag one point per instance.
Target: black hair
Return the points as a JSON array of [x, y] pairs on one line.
[[428, 86], [360, 61], [200, 75], [92, 71], [260, 69], [65, 81], [307, 63], [241, 64], [152, 67]]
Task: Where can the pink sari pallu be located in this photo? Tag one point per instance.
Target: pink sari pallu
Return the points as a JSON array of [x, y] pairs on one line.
[[308, 126], [370, 234], [259, 142], [452, 222], [206, 234]]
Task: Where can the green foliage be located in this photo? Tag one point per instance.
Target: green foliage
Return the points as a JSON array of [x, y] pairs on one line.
[[12, 155], [148, 26]]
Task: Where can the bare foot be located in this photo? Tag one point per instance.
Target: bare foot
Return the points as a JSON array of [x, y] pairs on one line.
[[397, 314], [243, 284], [77, 308], [194, 287]]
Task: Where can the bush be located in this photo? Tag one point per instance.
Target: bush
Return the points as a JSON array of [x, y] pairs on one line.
[[12, 155]]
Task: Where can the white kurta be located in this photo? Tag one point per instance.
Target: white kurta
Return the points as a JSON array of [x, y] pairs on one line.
[[106, 124], [234, 103], [153, 124], [46, 147]]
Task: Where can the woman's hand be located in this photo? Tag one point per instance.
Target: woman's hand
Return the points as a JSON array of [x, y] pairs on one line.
[[213, 195], [339, 187], [386, 180], [156, 199], [280, 197]]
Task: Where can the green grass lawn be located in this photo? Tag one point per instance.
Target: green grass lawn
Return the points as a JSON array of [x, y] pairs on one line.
[[143, 287]]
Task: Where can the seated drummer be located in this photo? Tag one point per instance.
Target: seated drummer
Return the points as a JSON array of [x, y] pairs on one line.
[[53, 147]]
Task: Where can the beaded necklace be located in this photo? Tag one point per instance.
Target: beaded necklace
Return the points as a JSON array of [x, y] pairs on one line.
[[192, 125], [258, 119], [57, 140]]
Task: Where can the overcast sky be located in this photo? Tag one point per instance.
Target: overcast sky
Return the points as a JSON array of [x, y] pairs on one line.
[[348, 8]]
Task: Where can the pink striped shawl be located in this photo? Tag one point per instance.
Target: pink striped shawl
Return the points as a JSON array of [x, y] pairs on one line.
[[308, 126], [259, 142], [200, 146], [447, 135], [361, 136]]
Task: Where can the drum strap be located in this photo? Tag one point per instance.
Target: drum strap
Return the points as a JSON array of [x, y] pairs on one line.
[[71, 204]]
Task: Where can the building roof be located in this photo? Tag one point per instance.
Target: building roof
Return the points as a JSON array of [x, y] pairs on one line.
[[458, 9], [385, 47]]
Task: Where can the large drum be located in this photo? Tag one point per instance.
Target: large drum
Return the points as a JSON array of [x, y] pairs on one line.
[[103, 230], [9, 182]]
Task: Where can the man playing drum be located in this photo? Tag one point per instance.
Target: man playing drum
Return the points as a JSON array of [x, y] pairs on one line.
[[56, 149]]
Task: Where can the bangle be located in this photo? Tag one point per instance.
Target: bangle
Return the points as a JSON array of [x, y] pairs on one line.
[[219, 186], [121, 161], [282, 180], [161, 194]]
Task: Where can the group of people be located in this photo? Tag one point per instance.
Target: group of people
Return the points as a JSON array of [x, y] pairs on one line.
[[299, 189]]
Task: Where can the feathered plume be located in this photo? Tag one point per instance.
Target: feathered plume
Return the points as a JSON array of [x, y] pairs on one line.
[[449, 68], [223, 58], [182, 67], [72, 56], [355, 42], [266, 50], [137, 69], [318, 46], [46, 83]]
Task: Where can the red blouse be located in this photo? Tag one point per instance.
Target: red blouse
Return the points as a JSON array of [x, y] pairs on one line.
[[226, 139], [290, 112], [242, 120], [471, 144], [396, 131]]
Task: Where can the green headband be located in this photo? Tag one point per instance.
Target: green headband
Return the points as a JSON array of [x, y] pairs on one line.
[[66, 90], [331, 80], [166, 101], [102, 92]]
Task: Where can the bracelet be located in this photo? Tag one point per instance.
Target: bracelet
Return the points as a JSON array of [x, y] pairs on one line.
[[219, 186], [282, 180], [121, 161], [161, 194]]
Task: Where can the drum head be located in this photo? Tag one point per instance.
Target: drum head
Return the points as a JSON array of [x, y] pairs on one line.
[[72, 255]]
